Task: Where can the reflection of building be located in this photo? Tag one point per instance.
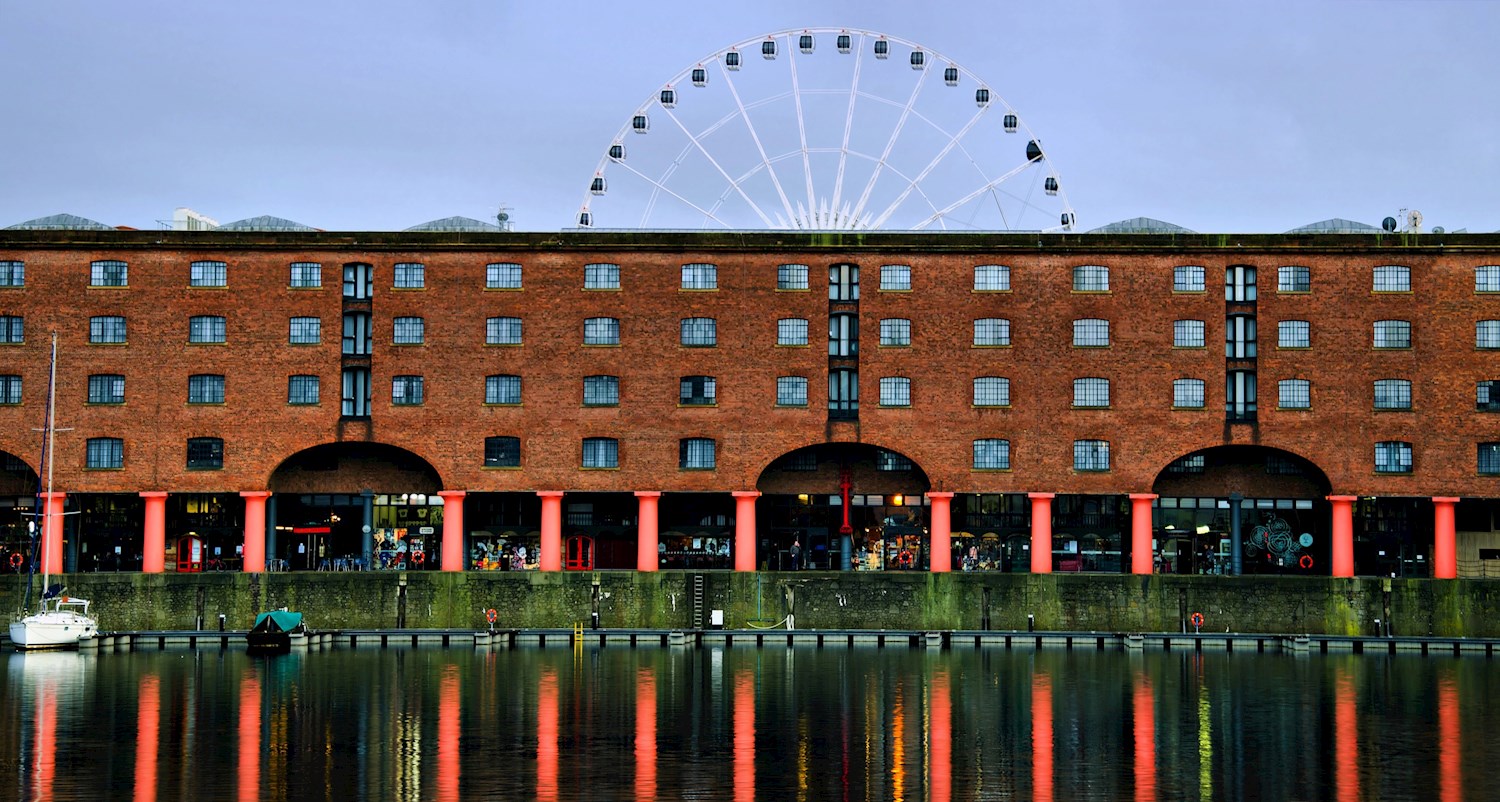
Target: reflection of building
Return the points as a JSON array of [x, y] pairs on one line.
[[638, 399]]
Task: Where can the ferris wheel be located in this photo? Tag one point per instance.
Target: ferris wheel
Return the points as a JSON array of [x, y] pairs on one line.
[[828, 129]]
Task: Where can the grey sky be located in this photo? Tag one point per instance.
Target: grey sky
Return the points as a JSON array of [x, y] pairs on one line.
[[381, 115]]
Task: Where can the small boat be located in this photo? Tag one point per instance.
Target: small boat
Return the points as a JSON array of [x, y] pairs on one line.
[[277, 631], [63, 621]]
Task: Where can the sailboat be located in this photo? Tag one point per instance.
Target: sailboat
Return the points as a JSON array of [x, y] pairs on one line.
[[61, 621]]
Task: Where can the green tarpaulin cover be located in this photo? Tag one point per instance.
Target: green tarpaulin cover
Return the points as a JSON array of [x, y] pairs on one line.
[[280, 620]]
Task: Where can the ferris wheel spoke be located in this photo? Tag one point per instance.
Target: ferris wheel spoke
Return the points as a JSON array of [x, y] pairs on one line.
[[801, 129], [838, 181], [976, 193], [660, 188], [734, 92], [698, 145], [912, 184], [890, 143]]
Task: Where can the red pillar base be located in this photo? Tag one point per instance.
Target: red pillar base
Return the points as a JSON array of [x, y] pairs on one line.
[[1041, 532], [1343, 535], [255, 530], [941, 560], [1142, 557], [744, 529], [154, 546], [647, 538], [453, 529], [551, 546], [1444, 540]]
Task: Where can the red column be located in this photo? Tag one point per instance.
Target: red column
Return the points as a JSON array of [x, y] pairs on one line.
[[1343, 535], [941, 561], [155, 548], [1141, 561], [551, 557], [646, 558], [1041, 532], [1444, 546], [255, 530], [744, 529], [453, 529], [52, 532]]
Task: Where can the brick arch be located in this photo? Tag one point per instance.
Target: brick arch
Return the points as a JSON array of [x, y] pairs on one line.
[[352, 467], [861, 458], [17, 477], [1253, 470]]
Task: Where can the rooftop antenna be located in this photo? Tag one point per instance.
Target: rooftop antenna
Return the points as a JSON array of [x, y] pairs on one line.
[[502, 218], [1414, 222]]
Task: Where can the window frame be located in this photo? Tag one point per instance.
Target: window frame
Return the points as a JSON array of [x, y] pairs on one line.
[[991, 454], [497, 276], [1490, 466], [605, 331], [1386, 330], [600, 453], [1293, 279], [208, 273], [1086, 331], [895, 332], [104, 454], [409, 276], [498, 330], [13, 329], [895, 278], [786, 278], [789, 334], [992, 274], [1393, 457], [305, 275], [1091, 392], [1188, 389], [1487, 335], [206, 389], [207, 329], [997, 387], [999, 331], [111, 387], [109, 273], [304, 330], [1486, 278], [1291, 391], [601, 276], [12, 273], [699, 277], [690, 454], [408, 390], [601, 390], [895, 392], [1091, 278], [1086, 456], [785, 383], [108, 330], [503, 390], [502, 451], [1390, 278], [1288, 331], [11, 389], [408, 330], [1189, 278], [300, 382], [214, 458], [698, 332], [1182, 333], [698, 391], [1392, 394]]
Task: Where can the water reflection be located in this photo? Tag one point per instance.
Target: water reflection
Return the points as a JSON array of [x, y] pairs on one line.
[[744, 724]]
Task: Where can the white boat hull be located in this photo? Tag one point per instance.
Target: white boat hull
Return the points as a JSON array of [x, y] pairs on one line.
[[52, 630]]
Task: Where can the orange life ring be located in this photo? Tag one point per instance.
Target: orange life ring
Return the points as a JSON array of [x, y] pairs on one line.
[[418, 557], [1306, 561], [1196, 619], [490, 615], [16, 559]]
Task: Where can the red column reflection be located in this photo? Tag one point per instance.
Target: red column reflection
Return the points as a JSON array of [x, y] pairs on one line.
[[941, 738], [546, 736], [1041, 738], [147, 735], [645, 734], [44, 741], [1451, 779], [448, 735], [1346, 736], [249, 775], [744, 735], [1143, 709]]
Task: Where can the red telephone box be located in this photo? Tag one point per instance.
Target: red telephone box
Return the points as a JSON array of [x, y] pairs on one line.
[[580, 553], [190, 555]]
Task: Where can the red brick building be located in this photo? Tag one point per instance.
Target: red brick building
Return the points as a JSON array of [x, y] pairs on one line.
[[1110, 402]]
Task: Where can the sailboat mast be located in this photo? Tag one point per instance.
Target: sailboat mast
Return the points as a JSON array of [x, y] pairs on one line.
[[47, 522]]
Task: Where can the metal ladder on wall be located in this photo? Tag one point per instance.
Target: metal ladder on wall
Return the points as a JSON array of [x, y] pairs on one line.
[[700, 599]]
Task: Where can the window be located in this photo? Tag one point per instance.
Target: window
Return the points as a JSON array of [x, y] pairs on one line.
[[302, 390], [205, 388], [1239, 284], [791, 331], [502, 331], [205, 453], [307, 274], [843, 394], [892, 462], [1486, 278], [13, 329], [1488, 395], [1188, 278], [895, 331], [502, 389], [104, 329], [410, 331], [700, 277], [1487, 334], [843, 334], [843, 282], [803, 460], [502, 276], [1091, 392], [791, 391], [1090, 455], [1293, 334], [358, 281], [1392, 334], [991, 278], [1393, 456], [1090, 333], [206, 329], [1239, 396], [601, 452], [601, 331], [601, 391], [1239, 337], [895, 391], [991, 455], [601, 277], [895, 277], [1187, 334], [991, 391], [106, 388], [109, 273], [1187, 466], [991, 331], [1489, 459], [791, 277], [502, 452], [305, 331], [1187, 393], [1392, 278], [1293, 279], [105, 452], [208, 274], [12, 273], [697, 391], [356, 395], [700, 332], [10, 389], [695, 454], [410, 275], [1090, 278], [356, 333], [406, 391], [1294, 394], [1392, 394]]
